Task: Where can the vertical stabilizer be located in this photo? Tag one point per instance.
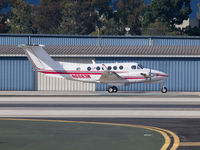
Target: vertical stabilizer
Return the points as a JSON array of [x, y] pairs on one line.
[[42, 62]]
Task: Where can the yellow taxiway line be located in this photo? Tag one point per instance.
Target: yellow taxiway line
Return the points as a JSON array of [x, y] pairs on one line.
[[163, 132], [175, 137], [190, 144]]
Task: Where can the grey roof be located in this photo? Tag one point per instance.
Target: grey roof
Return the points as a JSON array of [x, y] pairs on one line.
[[110, 51]]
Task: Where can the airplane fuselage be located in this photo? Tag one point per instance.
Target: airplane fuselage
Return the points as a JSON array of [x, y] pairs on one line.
[[130, 72]]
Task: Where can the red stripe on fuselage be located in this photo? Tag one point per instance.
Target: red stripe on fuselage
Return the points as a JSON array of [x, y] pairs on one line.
[[89, 73], [135, 78], [161, 75]]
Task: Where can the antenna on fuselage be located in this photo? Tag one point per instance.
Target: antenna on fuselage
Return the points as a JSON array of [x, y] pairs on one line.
[[93, 62]]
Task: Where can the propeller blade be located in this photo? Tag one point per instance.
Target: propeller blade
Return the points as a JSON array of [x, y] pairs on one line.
[[150, 74]]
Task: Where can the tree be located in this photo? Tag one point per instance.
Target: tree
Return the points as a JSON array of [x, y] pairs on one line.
[[3, 17], [104, 15], [102, 7], [20, 19], [111, 28], [47, 16], [170, 12], [128, 12], [159, 28], [78, 17], [195, 31], [198, 14]]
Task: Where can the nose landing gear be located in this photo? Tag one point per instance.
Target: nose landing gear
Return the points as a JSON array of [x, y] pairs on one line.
[[112, 89], [164, 89]]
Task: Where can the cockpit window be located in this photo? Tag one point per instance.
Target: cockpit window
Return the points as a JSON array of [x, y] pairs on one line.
[[140, 66], [133, 67]]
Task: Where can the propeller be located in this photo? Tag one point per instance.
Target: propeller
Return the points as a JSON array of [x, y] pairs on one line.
[[149, 75]]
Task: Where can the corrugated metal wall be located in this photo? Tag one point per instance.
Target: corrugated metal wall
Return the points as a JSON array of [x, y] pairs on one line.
[[7, 39], [190, 42], [13, 40], [88, 41], [183, 73], [16, 74], [118, 41], [45, 83]]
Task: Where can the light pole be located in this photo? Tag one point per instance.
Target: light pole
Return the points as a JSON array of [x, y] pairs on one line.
[[127, 30]]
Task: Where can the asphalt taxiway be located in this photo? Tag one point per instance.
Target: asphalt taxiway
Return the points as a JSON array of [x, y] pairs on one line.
[[187, 130], [178, 114], [104, 106]]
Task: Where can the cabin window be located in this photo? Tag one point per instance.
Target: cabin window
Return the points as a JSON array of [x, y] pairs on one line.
[[133, 67], [109, 67], [121, 67], [78, 68], [98, 68], [115, 67], [88, 68]]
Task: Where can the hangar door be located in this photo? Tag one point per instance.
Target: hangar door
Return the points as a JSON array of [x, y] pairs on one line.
[[16, 74], [46, 83]]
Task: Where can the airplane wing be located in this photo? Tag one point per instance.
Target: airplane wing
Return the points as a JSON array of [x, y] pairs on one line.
[[111, 77]]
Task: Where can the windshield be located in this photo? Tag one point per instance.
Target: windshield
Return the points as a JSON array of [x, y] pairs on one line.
[[140, 66]]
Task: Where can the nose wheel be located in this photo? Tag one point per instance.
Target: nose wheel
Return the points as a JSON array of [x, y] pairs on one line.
[[164, 89], [112, 89]]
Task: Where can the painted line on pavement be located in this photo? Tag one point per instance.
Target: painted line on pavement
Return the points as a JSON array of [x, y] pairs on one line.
[[175, 138], [190, 144], [159, 130]]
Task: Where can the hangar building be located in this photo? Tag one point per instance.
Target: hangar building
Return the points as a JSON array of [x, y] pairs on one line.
[[179, 57]]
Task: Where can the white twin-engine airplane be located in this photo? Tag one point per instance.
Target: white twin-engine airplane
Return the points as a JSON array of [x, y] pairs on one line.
[[113, 74]]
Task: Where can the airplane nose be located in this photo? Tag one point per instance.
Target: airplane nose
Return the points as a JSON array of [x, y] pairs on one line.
[[160, 74]]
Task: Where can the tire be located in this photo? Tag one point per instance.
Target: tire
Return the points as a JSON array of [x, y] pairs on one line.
[[110, 90], [115, 89], [164, 90]]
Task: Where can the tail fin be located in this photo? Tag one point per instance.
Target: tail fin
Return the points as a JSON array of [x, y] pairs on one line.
[[40, 59], [43, 63]]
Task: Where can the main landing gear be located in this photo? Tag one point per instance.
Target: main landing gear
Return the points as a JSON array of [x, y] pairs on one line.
[[164, 89], [112, 89]]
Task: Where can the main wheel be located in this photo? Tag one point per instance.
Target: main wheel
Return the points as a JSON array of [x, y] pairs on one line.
[[164, 90], [110, 90], [115, 89]]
